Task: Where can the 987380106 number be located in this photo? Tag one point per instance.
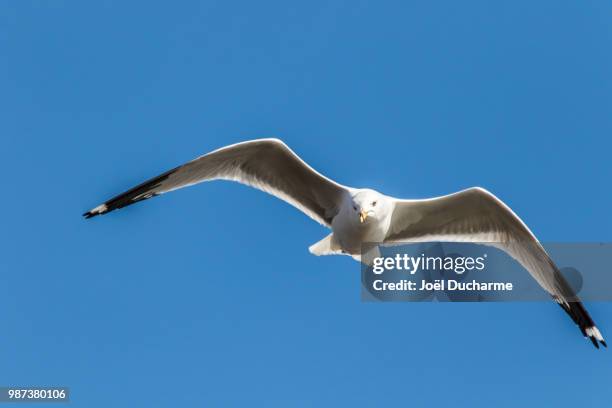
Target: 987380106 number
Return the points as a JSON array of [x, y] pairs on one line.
[[39, 394]]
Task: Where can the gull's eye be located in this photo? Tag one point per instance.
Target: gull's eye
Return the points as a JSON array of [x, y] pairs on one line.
[[373, 203], [355, 207]]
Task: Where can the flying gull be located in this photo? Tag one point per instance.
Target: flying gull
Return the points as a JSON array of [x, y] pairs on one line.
[[358, 216]]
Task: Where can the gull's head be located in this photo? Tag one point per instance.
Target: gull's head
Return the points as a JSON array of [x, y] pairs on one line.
[[368, 205]]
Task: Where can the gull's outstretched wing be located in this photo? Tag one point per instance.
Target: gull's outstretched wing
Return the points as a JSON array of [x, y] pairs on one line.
[[266, 164], [475, 215]]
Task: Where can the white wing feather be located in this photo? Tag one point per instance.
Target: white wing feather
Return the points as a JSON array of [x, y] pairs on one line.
[[266, 164], [476, 215]]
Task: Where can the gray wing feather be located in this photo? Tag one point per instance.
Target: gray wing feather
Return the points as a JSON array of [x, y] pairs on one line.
[[266, 164], [476, 215]]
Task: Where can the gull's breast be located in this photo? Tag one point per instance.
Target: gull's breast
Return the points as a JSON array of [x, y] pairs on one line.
[[351, 235]]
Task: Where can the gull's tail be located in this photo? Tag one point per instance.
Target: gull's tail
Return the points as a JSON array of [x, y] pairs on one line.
[[326, 246]]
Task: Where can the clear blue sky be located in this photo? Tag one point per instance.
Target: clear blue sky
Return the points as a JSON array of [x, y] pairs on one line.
[[170, 303]]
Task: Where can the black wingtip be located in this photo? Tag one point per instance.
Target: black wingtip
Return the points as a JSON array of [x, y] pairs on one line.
[[596, 342], [584, 321], [141, 192], [99, 210]]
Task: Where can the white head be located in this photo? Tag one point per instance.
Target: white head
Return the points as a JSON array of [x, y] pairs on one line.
[[369, 206]]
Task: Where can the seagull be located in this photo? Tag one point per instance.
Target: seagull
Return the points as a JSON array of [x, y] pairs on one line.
[[357, 216]]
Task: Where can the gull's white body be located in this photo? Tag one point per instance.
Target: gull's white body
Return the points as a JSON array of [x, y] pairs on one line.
[[358, 216], [349, 233]]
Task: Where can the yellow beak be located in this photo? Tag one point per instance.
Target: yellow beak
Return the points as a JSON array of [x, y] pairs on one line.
[[362, 216]]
